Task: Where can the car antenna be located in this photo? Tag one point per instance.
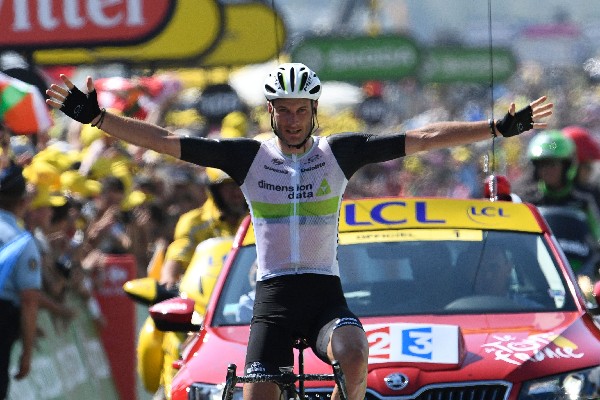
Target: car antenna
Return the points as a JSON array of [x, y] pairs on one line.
[[489, 166]]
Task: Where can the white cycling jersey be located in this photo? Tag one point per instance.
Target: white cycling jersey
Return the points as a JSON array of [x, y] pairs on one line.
[[294, 201]]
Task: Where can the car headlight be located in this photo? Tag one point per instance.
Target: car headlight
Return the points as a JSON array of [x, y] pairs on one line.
[[203, 391], [576, 385]]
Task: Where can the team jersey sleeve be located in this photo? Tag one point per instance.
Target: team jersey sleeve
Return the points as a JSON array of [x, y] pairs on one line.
[[234, 156], [354, 150]]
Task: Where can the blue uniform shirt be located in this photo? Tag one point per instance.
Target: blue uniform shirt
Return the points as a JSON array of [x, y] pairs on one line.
[[26, 273]]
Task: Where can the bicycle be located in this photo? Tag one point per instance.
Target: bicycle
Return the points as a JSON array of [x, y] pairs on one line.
[[287, 379]]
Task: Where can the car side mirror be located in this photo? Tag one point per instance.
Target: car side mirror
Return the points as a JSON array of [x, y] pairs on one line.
[[174, 315], [147, 291]]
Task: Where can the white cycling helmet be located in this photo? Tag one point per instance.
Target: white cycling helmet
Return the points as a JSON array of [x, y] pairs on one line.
[[292, 81]]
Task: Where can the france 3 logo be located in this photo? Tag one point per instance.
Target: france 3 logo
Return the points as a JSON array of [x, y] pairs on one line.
[[404, 342]]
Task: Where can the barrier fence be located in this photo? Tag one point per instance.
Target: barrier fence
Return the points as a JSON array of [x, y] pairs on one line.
[[74, 359], [69, 361]]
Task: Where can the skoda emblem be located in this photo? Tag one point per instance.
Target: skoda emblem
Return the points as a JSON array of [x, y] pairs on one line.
[[396, 381]]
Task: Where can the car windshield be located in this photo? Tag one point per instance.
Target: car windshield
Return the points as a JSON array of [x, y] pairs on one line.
[[443, 272]]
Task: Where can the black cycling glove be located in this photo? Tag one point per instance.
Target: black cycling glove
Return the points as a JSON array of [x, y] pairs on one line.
[[80, 106], [512, 125]]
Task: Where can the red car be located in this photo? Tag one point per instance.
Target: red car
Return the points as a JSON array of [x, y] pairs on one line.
[[460, 299]]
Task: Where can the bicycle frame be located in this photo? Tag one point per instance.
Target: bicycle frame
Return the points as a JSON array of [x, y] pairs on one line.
[[286, 380]]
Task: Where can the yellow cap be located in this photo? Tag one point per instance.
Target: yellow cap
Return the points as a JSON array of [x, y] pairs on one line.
[[216, 176], [75, 183], [228, 132], [42, 173], [134, 199], [54, 155], [122, 170], [45, 198], [234, 124], [89, 134]]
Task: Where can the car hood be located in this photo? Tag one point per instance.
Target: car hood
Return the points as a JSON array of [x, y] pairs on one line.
[[509, 347]]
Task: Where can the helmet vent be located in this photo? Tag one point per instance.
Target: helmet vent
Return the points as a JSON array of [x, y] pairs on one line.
[[280, 79], [292, 79], [315, 89], [270, 89], [303, 80]]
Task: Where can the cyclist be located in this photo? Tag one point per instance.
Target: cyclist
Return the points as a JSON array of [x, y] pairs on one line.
[[294, 184], [552, 182], [219, 216]]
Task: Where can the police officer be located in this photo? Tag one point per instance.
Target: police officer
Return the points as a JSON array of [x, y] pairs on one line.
[[20, 276]]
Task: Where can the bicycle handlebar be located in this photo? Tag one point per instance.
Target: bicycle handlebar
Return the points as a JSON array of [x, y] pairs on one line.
[[284, 378]]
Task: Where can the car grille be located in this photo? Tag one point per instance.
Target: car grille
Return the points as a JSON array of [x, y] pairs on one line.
[[474, 392], [495, 391]]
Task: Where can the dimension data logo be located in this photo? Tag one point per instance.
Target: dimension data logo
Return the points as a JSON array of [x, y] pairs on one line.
[[293, 192], [299, 191]]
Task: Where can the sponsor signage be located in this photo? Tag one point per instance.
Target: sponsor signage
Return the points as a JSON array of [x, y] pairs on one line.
[[34, 24], [421, 343], [376, 214], [387, 219], [460, 64], [166, 33], [396, 57], [253, 34], [538, 347], [359, 58], [193, 30]]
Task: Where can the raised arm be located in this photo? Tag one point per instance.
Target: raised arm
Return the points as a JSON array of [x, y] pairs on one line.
[[448, 134], [84, 108]]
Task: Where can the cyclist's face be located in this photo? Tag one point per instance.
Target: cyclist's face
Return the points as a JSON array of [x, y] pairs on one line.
[[293, 118]]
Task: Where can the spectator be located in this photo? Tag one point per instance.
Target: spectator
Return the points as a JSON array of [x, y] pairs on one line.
[[54, 281], [219, 216], [20, 276], [106, 231]]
